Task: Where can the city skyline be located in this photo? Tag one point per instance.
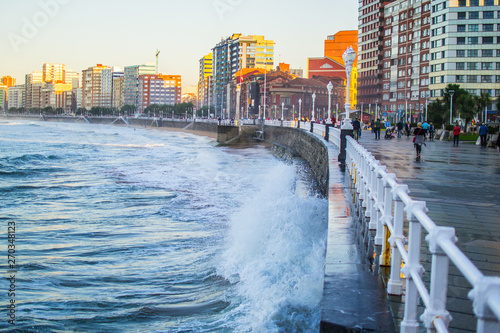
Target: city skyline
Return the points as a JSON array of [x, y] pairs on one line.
[[80, 35]]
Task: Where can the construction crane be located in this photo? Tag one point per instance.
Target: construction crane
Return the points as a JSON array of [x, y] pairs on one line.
[[157, 53]]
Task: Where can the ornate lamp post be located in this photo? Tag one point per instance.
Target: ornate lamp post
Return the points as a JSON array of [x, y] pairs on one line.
[[451, 92], [282, 110], [300, 107], [329, 87], [349, 56], [314, 98]]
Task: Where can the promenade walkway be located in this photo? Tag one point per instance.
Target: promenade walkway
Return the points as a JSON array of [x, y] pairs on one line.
[[461, 186]]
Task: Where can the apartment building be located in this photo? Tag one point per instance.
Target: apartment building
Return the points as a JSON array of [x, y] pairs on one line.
[[131, 82], [159, 89]]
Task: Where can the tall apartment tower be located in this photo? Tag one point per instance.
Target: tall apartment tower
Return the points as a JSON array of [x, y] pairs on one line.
[[54, 73], [205, 71], [405, 59], [233, 54], [131, 82], [465, 40], [32, 90], [92, 84], [370, 52], [159, 89]]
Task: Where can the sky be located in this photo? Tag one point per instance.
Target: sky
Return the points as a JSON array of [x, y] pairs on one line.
[[83, 33]]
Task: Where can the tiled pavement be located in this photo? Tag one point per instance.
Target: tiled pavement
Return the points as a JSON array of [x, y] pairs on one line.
[[461, 186]]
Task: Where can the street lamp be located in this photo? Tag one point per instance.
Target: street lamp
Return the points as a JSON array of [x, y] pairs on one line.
[[300, 107], [329, 87], [451, 92], [314, 98], [349, 56], [282, 110]]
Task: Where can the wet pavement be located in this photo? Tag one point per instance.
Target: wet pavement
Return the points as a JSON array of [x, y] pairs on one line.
[[461, 186]]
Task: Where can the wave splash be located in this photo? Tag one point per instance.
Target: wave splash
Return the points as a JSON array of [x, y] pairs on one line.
[[275, 256]]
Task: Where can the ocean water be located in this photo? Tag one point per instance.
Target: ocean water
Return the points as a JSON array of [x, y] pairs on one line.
[[133, 230]]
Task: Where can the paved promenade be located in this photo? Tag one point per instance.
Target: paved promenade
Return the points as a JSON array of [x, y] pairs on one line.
[[461, 185]]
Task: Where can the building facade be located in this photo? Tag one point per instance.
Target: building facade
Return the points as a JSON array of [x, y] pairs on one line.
[[205, 72], [32, 89], [53, 72], [16, 97], [8, 81], [131, 82], [233, 54], [159, 89], [465, 47], [92, 87]]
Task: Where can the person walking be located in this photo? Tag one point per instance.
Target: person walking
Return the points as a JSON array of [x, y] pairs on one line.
[[407, 128], [419, 139], [456, 134], [356, 128], [432, 130], [400, 126], [425, 126], [376, 129], [483, 132], [498, 142]]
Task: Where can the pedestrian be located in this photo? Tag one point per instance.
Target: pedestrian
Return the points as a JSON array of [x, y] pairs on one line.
[[432, 130], [407, 128], [456, 134], [376, 129], [425, 126], [419, 139], [356, 127], [400, 126], [483, 132], [498, 142]]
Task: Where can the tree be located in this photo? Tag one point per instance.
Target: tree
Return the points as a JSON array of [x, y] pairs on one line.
[[128, 109], [466, 105], [446, 98], [436, 113], [48, 110], [482, 101]]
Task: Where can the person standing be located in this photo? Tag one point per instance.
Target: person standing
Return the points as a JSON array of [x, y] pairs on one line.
[[498, 142], [483, 132], [419, 139], [425, 127], [356, 128], [400, 126], [456, 134], [432, 130], [376, 129]]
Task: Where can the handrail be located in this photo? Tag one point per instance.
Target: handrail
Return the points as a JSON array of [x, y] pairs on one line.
[[386, 202]]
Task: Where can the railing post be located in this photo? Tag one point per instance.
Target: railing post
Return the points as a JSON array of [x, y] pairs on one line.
[[394, 286], [486, 288], [373, 195], [439, 277], [386, 219], [379, 206], [343, 147], [410, 323]]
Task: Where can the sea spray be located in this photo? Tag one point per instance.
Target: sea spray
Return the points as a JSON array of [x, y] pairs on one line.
[[275, 256]]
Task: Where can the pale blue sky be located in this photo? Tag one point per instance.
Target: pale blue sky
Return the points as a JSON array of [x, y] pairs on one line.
[[82, 33]]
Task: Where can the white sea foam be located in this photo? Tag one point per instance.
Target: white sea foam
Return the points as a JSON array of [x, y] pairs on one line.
[[275, 255]]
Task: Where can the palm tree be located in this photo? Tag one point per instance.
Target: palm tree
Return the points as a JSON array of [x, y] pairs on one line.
[[482, 103], [466, 105], [456, 95]]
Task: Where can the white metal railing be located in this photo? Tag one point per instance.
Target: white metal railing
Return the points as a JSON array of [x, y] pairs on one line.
[[385, 203]]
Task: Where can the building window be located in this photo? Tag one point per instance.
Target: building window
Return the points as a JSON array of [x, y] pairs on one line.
[[488, 15], [460, 53], [461, 28], [460, 79], [474, 40], [462, 3], [487, 40], [471, 65], [460, 40], [460, 65], [471, 78], [472, 53], [473, 27], [473, 15], [487, 53], [498, 65], [486, 79], [498, 79], [462, 15], [487, 27], [474, 3], [486, 65], [489, 2]]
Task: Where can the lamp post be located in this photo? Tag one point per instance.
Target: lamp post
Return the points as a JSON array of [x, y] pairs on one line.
[[329, 87], [451, 92], [300, 107], [282, 110], [426, 107], [314, 98], [349, 56]]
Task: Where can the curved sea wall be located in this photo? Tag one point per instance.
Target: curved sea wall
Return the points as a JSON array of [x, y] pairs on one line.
[[309, 147]]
